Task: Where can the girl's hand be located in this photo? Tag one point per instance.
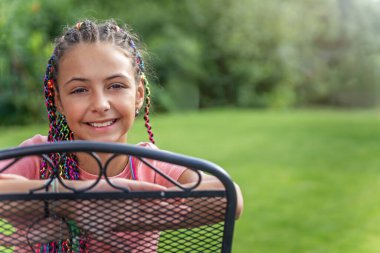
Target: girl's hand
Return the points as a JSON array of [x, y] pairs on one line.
[[102, 218], [134, 216], [132, 185], [129, 214], [155, 215], [104, 186]]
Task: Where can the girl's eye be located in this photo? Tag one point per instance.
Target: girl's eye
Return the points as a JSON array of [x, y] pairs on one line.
[[117, 86], [78, 91]]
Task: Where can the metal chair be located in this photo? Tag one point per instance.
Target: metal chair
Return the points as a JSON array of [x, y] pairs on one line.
[[118, 219]]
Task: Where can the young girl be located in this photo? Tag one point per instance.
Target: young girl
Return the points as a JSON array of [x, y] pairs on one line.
[[94, 87]]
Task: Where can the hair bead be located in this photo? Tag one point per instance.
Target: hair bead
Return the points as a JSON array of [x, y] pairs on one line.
[[78, 25]]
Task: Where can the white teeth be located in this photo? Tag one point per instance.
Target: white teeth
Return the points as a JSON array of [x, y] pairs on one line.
[[103, 124]]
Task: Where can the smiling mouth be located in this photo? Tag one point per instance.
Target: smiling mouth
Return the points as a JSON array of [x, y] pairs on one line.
[[102, 124]]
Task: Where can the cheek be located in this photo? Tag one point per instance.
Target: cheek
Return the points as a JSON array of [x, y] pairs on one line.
[[72, 111], [71, 103], [71, 119], [127, 108]]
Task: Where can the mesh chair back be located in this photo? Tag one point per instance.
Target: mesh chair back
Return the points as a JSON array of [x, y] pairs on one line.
[[117, 219]]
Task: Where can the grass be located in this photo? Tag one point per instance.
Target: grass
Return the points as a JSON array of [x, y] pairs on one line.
[[310, 179]]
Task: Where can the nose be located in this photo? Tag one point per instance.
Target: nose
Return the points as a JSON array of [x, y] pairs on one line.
[[100, 103]]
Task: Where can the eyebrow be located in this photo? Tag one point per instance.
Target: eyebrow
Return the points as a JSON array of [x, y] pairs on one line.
[[116, 76], [82, 79]]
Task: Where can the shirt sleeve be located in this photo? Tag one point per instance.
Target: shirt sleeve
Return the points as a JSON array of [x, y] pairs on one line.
[[29, 166]]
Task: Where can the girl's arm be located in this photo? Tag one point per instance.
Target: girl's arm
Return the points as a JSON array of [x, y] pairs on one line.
[[25, 213], [149, 210], [191, 212], [189, 178], [12, 183]]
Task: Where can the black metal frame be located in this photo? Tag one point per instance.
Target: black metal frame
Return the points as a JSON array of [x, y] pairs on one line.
[[142, 154]]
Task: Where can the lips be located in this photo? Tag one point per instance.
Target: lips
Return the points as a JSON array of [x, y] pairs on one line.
[[102, 124]]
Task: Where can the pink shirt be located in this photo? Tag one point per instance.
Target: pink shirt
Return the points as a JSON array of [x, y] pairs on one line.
[[29, 167]]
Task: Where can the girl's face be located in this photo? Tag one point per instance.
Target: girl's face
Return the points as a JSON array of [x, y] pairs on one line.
[[98, 92]]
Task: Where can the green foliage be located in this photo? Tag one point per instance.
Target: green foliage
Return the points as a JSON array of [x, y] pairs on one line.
[[246, 53], [26, 28]]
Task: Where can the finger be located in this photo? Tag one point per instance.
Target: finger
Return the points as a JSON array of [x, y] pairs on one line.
[[147, 202], [164, 208], [176, 201], [173, 201], [130, 185], [161, 219], [144, 186]]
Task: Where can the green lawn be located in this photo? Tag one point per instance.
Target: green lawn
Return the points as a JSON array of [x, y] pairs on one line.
[[310, 179]]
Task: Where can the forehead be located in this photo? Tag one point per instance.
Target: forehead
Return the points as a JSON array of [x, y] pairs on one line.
[[94, 60]]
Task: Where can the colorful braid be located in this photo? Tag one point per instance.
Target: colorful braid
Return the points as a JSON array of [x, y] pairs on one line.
[[141, 72], [147, 107], [66, 163]]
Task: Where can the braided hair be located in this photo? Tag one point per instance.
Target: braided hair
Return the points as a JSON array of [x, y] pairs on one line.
[[88, 32]]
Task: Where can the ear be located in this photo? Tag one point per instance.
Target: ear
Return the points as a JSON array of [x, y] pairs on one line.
[[140, 94]]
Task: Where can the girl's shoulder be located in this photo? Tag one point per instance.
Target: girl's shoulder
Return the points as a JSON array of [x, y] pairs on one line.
[[28, 166], [36, 139], [147, 145]]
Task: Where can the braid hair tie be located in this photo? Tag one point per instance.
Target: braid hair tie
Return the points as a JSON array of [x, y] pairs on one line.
[[78, 25]]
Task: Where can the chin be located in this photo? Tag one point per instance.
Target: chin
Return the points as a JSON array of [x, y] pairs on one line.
[[113, 140]]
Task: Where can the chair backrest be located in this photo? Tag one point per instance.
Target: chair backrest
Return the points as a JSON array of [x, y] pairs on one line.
[[116, 219]]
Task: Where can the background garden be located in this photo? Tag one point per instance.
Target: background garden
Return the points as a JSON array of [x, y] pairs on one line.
[[283, 94]]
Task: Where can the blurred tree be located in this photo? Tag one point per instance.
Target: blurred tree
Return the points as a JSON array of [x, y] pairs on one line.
[[248, 53], [26, 28], [340, 66]]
